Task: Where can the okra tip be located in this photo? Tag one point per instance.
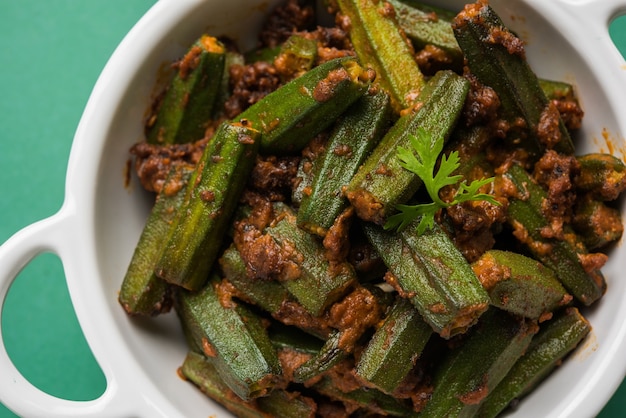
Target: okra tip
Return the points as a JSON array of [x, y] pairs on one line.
[[366, 205], [464, 320], [212, 44]]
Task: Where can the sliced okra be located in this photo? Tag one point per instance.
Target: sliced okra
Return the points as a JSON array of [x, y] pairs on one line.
[[195, 235], [564, 97], [266, 54], [309, 277], [201, 372], [596, 223], [380, 44], [425, 25], [189, 101], [284, 404], [410, 278], [441, 12], [603, 175], [292, 338], [372, 401], [297, 111], [472, 370], [557, 90], [353, 137], [496, 56], [267, 294], [297, 55], [232, 338], [197, 369], [142, 291], [564, 256], [448, 311], [309, 158], [328, 356], [450, 274], [519, 284], [555, 339], [394, 348]]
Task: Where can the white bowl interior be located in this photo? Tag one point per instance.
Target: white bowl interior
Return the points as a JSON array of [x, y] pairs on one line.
[[157, 345]]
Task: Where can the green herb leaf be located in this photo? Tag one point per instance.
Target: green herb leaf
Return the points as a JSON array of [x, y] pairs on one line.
[[422, 160]]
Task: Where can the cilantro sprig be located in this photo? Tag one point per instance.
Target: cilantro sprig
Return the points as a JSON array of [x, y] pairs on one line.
[[422, 160]]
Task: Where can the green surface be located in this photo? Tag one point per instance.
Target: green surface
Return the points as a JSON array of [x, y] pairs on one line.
[[52, 52]]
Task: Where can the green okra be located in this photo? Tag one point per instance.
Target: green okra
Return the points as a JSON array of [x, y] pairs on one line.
[[304, 177], [563, 256], [425, 25], [284, 404], [450, 273], [297, 111], [380, 44], [603, 175], [564, 97], [353, 137], [267, 294], [231, 58], [316, 283], [555, 339], [429, 287], [381, 182], [329, 355], [201, 372], [394, 348], [596, 223], [262, 55], [558, 90], [410, 277], [472, 370], [195, 235], [292, 338], [496, 57], [142, 292], [297, 55], [369, 400], [188, 103], [441, 12], [197, 369], [519, 284], [232, 338], [470, 143]]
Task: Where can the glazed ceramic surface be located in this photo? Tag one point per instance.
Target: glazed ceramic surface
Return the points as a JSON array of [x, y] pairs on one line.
[[95, 231]]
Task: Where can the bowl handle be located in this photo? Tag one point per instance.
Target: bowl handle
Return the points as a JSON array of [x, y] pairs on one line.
[[16, 392]]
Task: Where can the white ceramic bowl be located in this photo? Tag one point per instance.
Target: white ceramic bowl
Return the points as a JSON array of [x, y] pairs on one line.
[[95, 231]]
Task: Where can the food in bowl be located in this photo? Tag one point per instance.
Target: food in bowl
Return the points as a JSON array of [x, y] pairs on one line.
[[402, 300]]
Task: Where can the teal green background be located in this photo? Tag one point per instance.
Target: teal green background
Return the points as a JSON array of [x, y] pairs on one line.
[[51, 53]]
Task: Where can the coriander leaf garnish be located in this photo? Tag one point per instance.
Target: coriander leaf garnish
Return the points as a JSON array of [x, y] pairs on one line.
[[422, 160]]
